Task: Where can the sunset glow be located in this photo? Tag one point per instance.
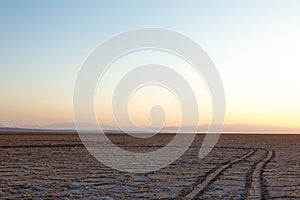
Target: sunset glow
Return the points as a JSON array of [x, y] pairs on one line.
[[255, 46]]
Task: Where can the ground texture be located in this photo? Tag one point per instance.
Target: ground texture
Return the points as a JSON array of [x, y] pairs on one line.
[[239, 167]]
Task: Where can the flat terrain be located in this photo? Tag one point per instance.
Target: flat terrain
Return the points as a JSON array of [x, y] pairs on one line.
[[239, 167]]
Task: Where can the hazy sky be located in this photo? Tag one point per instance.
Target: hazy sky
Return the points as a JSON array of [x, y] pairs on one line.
[[254, 44]]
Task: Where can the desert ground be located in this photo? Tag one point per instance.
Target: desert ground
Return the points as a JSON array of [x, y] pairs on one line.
[[241, 166]]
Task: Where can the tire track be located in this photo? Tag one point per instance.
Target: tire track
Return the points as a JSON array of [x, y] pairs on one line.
[[256, 189], [202, 184]]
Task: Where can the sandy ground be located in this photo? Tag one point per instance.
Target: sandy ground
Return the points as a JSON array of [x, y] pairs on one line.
[[239, 167]]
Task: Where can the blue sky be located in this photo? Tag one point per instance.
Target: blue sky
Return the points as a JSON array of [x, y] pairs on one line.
[[44, 43]]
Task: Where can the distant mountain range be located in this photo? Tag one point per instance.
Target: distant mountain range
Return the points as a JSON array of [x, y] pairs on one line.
[[64, 126], [231, 128]]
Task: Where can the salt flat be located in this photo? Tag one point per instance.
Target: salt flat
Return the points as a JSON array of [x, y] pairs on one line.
[[239, 167]]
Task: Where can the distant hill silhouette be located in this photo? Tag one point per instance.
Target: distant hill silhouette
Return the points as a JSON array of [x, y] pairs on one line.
[[230, 128], [239, 128], [69, 126]]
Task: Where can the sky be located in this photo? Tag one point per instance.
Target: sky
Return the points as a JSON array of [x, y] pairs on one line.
[[255, 46]]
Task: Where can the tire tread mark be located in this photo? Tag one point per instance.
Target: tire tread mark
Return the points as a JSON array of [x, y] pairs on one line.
[[257, 189], [211, 176]]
